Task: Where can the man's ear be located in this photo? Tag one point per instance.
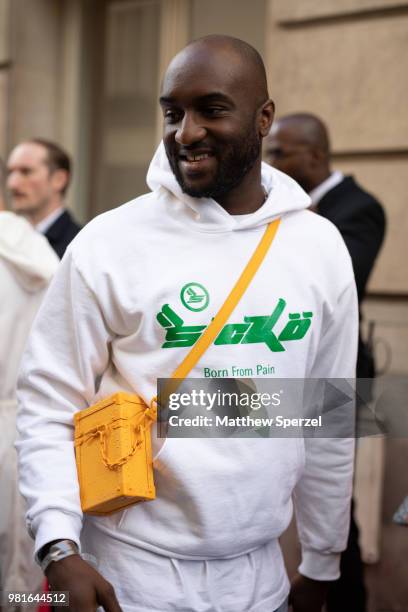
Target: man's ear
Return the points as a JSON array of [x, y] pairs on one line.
[[318, 156], [266, 115], [59, 179]]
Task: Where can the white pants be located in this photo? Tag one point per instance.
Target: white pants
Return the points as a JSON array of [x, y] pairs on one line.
[[147, 582]]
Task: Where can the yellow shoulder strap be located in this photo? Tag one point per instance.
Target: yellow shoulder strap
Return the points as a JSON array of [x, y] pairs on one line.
[[229, 305]]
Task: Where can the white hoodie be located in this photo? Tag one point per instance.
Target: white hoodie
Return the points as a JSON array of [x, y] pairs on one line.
[[98, 332], [27, 264]]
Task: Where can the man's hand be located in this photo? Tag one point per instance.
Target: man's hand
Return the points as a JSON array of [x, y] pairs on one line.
[[307, 595], [87, 588]]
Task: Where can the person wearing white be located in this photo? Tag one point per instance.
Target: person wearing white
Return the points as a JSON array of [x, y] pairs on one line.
[[209, 541], [27, 264]]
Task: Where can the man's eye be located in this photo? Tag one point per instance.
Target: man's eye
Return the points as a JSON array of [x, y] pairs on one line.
[[171, 116], [213, 111]]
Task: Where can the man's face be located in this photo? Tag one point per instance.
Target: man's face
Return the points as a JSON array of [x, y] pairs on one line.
[[288, 153], [29, 179], [210, 133]]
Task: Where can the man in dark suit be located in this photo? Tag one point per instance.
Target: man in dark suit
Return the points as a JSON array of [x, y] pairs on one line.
[[38, 177], [298, 145]]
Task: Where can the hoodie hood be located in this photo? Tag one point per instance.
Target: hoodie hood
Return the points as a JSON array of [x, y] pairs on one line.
[[284, 196], [27, 252]]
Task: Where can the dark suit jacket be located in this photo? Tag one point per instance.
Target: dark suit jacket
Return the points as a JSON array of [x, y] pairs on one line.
[[60, 234], [361, 221]]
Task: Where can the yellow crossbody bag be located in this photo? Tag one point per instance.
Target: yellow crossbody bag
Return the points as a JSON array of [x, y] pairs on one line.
[[113, 447]]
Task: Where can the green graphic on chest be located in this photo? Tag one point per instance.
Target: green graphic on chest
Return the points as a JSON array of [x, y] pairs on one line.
[[253, 329]]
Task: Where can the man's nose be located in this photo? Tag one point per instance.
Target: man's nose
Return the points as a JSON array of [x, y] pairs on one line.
[[13, 181], [190, 130]]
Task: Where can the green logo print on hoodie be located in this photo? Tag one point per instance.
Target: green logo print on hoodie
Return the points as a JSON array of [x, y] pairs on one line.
[[254, 329]]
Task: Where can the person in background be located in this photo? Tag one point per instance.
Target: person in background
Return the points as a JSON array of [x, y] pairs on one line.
[[39, 172], [27, 264], [299, 145]]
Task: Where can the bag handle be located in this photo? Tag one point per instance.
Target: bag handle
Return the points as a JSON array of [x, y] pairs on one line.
[[103, 432]]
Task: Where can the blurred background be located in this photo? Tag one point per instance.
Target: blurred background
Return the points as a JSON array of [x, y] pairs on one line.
[[86, 74]]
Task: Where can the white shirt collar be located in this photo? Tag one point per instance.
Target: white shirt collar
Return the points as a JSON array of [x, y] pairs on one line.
[[318, 192], [46, 223]]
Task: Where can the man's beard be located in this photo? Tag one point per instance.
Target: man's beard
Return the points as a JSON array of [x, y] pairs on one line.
[[236, 160]]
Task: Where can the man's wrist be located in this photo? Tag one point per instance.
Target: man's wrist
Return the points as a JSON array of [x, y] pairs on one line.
[[44, 549], [56, 551], [320, 566]]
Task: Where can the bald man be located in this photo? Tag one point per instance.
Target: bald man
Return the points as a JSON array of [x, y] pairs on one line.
[[137, 289], [299, 145]]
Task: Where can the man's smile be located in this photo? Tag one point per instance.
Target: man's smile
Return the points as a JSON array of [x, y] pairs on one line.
[[194, 162]]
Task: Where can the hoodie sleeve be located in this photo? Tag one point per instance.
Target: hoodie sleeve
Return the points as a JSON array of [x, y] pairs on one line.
[[67, 350], [323, 494]]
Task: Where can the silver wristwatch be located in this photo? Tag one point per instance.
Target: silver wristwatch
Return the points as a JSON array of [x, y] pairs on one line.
[[58, 551]]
